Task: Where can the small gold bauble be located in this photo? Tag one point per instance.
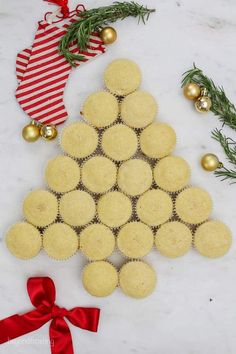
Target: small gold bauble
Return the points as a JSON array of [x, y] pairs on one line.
[[48, 132], [192, 91], [31, 132], [203, 104], [108, 35], [210, 162]]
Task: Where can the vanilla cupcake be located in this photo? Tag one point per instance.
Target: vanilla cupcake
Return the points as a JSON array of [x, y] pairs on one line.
[[135, 240], [138, 109], [122, 77], [114, 209], [173, 239], [154, 207], [40, 208], [134, 177], [212, 239], [172, 173], [193, 205], [100, 278], [101, 109], [97, 242], [62, 174], [77, 208], [99, 174], [157, 140], [79, 140], [23, 240], [119, 142], [137, 279], [60, 241]]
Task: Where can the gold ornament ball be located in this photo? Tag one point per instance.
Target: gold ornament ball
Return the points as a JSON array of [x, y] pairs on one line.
[[48, 132], [203, 104], [192, 91], [108, 35], [210, 162], [31, 132]]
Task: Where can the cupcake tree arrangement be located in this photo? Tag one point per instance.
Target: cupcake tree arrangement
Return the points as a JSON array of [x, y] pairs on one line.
[[116, 185]]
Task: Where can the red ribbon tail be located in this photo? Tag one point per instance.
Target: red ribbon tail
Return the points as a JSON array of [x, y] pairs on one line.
[[64, 6], [18, 325], [60, 337]]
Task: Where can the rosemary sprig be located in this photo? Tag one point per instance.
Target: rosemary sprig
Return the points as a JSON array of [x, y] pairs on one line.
[[93, 20], [221, 105]]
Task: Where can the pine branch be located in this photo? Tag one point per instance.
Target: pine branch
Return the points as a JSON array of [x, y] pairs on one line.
[[221, 105], [93, 20]]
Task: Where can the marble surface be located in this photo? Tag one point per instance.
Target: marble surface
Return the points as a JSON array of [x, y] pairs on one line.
[[193, 310]]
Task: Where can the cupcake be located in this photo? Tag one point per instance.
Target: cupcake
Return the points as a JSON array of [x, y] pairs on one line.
[[40, 208], [137, 279], [173, 239], [101, 109], [134, 177], [154, 207], [60, 241], [157, 140], [62, 174], [212, 239], [119, 142], [114, 209], [79, 140], [135, 240], [77, 208], [138, 109], [97, 242], [172, 173], [100, 278], [193, 205], [122, 77], [23, 240], [99, 174]]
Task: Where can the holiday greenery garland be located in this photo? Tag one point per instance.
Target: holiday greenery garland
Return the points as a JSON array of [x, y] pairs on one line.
[[93, 20], [225, 111]]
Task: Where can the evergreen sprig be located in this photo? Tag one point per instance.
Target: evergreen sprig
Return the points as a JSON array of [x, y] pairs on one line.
[[93, 20]]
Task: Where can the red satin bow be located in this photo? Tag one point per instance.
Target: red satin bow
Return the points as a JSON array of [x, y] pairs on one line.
[[42, 294], [64, 6]]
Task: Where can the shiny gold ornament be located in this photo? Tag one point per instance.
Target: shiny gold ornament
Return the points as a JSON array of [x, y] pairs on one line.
[[192, 91], [31, 132], [210, 162], [48, 132], [108, 35], [203, 104]]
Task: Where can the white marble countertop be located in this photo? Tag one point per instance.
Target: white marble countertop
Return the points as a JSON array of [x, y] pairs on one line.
[[179, 318]]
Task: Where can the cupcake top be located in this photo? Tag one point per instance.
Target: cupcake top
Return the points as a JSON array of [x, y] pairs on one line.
[[77, 208], [60, 241], [100, 278], [134, 177], [212, 239], [135, 240], [157, 140], [99, 174], [137, 279], [172, 173], [62, 174], [154, 207], [40, 207], [79, 140], [122, 77], [193, 205], [138, 109], [114, 209], [119, 142], [23, 240], [97, 242], [173, 239], [101, 109]]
